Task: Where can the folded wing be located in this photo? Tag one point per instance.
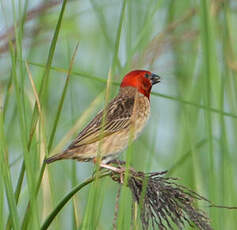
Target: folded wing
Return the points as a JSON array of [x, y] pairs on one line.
[[114, 118]]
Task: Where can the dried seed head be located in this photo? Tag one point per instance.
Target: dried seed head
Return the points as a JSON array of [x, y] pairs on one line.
[[164, 203]]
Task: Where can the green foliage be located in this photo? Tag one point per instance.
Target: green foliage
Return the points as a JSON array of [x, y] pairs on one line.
[[193, 126]]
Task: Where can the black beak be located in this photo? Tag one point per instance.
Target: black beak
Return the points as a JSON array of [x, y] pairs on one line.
[[154, 78]]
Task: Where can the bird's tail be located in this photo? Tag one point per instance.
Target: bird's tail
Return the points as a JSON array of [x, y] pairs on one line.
[[57, 157]]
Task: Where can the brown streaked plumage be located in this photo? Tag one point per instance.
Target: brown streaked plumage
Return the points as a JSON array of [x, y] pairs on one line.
[[122, 120]]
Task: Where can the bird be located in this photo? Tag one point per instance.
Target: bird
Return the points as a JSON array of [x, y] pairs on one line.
[[120, 123]]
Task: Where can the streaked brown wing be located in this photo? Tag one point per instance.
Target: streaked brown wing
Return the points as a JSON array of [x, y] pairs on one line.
[[117, 117]]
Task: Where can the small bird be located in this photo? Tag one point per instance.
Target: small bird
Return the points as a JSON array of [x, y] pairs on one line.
[[120, 123]]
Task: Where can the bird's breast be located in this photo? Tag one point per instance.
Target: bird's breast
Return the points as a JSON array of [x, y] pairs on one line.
[[141, 115]]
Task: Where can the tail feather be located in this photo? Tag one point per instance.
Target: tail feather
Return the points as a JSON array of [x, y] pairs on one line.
[[57, 157]]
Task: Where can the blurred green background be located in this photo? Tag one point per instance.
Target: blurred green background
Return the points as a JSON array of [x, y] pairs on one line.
[[192, 130]]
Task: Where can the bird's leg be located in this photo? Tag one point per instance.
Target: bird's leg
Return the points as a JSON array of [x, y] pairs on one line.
[[110, 167], [121, 178], [119, 170], [105, 165]]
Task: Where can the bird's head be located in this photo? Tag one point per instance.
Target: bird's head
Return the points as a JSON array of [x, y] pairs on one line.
[[142, 80]]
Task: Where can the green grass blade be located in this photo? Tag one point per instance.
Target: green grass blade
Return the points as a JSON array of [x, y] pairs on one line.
[[67, 197], [42, 89], [27, 156], [203, 107], [44, 82], [118, 37], [5, 174], [183, 158], [99, 13], [193, 124], [2, 210], [7, 96], [61, 101], [172, 98], [207, 71]]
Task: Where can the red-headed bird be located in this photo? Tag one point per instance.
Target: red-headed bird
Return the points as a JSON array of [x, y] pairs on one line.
[[113, 128]]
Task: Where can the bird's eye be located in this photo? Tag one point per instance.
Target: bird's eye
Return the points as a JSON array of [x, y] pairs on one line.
[[147, 75]]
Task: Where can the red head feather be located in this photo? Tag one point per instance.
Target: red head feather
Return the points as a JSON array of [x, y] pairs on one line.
[[142, 80]]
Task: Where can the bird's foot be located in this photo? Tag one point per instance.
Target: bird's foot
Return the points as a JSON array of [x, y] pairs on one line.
[[115, 171], [122, 177]]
